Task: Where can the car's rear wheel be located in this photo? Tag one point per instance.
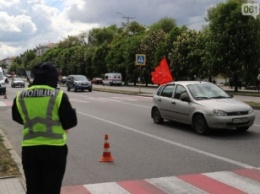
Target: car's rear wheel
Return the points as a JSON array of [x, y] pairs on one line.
[[68, 88], [200, 124], [242, 128], [156, 115]]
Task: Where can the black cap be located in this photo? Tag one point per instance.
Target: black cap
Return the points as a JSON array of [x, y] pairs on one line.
[[45, 73]]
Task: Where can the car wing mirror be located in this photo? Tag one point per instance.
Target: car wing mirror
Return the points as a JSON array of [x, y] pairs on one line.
[[184, 97]]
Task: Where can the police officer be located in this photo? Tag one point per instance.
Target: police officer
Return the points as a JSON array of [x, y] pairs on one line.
[[46, 115]]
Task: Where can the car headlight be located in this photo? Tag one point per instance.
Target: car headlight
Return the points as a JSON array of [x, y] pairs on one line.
[[251, 110], [219, 113]]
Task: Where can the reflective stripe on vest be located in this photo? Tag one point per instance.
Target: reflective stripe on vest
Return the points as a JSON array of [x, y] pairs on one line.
[[48, 121]]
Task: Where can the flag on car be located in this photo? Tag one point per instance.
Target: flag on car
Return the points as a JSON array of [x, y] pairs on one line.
[[162, 73]]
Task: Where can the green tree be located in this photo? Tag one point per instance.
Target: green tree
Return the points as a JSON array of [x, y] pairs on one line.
[[165, 24], [185, 57], [235, 42], [165, 47], [149, 45], [99, 36], [99, 63]]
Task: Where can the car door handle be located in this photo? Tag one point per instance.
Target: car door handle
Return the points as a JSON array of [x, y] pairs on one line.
[[173, 102], [159, 100]]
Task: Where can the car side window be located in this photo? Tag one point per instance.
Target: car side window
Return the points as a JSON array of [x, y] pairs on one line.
[[167, 91], [179, 90]]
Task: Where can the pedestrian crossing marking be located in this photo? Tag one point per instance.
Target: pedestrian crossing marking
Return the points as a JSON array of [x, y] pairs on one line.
[[6, 103], [234, 181]]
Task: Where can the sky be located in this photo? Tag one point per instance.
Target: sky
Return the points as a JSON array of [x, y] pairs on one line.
[[26, 24]]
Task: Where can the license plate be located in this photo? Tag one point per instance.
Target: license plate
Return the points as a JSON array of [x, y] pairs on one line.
[[240, 120]]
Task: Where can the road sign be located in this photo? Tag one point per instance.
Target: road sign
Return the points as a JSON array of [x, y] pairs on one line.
[[140, 59]]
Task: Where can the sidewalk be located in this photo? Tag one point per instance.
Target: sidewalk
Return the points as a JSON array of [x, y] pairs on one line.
[[11, 185]]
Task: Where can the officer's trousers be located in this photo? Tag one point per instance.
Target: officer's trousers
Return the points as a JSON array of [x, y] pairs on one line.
[[44, 168]]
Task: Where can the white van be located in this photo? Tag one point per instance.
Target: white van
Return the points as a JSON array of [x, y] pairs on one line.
[[112, 79], [2, 82]]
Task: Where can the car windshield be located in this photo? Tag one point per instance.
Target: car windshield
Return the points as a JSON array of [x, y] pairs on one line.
[[80, 78], [203, 91]]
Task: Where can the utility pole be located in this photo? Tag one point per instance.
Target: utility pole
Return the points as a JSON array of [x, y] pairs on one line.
[[127, 33]]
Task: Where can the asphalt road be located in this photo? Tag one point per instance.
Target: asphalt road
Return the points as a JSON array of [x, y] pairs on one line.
[[140, 148]]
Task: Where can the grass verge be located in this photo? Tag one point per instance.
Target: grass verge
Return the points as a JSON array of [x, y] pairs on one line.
[[7, 165]]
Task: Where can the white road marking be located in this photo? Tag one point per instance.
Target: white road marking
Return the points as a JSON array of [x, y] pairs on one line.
[[242, 183], [76, 100]]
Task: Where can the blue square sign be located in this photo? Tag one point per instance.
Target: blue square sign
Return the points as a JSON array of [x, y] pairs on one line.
[[140, 59]]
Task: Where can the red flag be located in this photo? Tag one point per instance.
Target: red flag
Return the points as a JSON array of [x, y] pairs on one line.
[[162, 73]]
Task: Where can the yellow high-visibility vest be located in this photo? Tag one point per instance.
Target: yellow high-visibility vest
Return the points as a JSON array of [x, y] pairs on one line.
[[38, 107]]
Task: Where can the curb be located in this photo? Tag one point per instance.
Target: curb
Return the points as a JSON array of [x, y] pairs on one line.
[[16, 159]]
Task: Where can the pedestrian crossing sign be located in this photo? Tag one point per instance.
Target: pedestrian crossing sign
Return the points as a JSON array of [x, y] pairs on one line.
[[140, 59]]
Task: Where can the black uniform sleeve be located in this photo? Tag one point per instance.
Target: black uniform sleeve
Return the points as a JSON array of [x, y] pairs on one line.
[[15, 114], [67, 114]]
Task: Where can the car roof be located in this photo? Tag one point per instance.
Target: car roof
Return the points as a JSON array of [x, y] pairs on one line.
[[187, 82]]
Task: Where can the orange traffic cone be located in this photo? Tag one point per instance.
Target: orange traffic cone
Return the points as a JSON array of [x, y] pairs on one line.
[[107, 157], [5, 97]]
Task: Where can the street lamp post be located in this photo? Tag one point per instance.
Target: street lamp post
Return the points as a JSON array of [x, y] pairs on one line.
[[127, 33]]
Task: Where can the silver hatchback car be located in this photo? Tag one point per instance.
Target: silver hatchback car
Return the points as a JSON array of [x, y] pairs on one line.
[[203, 105]]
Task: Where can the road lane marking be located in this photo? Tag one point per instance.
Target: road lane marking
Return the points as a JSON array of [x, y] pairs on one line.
[[108, 100], [171, 142], [76, 100]]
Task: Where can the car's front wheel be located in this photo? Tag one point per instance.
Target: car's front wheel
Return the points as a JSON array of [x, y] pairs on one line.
[[68, 88], [156, 115], [200, 124]]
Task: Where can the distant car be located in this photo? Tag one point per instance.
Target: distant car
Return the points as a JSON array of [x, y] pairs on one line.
[[6, 79], [97, 80], [63, 80], [58, 86], [17, 82], [2, 82], [78, 82], [203, 105], [112, 79]]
